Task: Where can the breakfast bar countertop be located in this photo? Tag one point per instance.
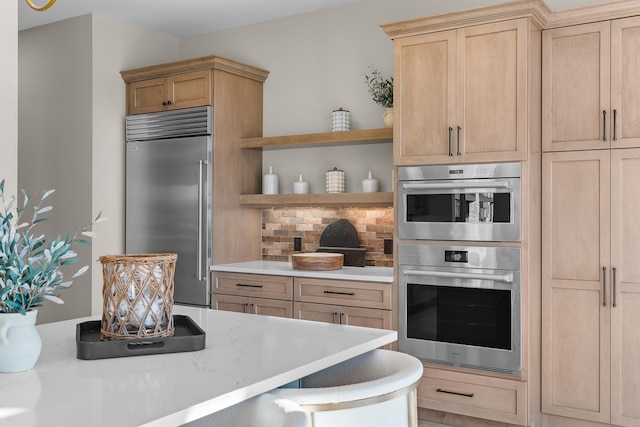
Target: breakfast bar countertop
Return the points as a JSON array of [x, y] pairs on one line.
[[281, 268], [245, 355]]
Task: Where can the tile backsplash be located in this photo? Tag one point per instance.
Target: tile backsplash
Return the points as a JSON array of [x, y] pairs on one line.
[[281, 225]]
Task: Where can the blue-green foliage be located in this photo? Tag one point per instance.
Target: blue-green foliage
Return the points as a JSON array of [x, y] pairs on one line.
[[29, 266]]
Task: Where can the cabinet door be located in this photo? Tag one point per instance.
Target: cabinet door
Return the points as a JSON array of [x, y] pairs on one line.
[[367, 317], [492, 102], [230, 303], [147, 96], [625, 247], [343, 292], [576, 87], [575, 321], [253, 285], [271, 307], [189, 89], [424, 98], [317, 312], [625, 84]]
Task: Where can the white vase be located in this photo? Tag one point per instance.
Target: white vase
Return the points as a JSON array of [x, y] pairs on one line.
[[20, 343], [388, 117]]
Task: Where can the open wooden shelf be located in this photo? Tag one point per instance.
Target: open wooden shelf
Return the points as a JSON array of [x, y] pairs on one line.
[[317, 200], [325, 139]]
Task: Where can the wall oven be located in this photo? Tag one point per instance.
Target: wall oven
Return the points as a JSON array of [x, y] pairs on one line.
[[460, 306], [460, 202]]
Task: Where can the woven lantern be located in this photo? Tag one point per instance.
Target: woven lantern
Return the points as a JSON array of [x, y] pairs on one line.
[[137, 296]]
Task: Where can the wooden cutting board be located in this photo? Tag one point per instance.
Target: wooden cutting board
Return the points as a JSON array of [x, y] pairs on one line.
[[317, 261]]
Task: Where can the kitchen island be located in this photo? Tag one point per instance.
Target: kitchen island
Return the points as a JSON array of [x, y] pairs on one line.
[[245, 355]]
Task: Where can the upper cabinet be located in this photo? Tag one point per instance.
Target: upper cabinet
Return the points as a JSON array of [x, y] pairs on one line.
[[463, 95], [170, 93], [184, 84], [590, 86]]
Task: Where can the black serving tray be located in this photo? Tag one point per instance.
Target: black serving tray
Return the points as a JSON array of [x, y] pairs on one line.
[[188, 336]]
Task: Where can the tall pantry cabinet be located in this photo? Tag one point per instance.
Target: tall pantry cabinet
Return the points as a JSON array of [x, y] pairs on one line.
[[467, 90], [590, 227]]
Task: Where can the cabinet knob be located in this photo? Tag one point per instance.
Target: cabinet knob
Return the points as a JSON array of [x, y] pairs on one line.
[[164, 103], [169, 102]]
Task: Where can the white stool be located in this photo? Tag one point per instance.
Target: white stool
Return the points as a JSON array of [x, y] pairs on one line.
[[263, 410], [376, 389]]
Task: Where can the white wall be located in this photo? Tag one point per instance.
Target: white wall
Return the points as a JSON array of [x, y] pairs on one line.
[[8, 108], [55, 139], [116, 47], [316, 61], [71, 134]]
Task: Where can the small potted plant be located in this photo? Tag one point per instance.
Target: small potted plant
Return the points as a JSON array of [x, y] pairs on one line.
[[381, 90], [30, 275]]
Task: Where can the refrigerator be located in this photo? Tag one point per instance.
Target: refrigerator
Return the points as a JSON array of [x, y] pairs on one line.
[[169, 194]]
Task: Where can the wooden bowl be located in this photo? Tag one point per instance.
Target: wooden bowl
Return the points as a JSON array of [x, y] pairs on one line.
[[317, 261]]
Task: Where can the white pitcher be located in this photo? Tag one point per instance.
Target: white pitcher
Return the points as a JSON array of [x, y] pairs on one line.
[[20, 343]]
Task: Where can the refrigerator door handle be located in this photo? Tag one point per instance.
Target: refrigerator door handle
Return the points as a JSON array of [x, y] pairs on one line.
[[201, 185]]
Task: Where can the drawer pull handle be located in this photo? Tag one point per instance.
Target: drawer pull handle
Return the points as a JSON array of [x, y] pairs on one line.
[[340, 293], [453, 392], [246, 285]]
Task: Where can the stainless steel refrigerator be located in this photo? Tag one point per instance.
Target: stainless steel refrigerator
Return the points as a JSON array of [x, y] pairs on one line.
[[169, 194]]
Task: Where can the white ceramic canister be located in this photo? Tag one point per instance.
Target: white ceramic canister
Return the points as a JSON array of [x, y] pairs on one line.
[[369, 185], [340, 120], [270, 183], [335, 181], [300, 186]]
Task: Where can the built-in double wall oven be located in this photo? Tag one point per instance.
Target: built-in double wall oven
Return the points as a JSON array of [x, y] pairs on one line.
[[460, 304]]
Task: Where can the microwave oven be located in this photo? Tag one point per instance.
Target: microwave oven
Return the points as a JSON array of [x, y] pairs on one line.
[[460, 202]]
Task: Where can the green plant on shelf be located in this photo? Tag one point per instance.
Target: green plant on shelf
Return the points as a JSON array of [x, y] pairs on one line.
[[380, 88]]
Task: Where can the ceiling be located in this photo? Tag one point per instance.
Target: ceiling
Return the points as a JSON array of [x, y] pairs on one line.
[[179, 18]]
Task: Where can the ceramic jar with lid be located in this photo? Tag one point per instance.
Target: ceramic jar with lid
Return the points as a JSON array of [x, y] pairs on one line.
[[335, 181], [340, 120]]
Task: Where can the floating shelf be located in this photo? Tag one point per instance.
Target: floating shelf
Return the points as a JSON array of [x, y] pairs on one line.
[[325, 139], [317, 200]]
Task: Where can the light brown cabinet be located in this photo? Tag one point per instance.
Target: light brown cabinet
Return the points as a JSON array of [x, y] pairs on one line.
[[461, 95], [263, 306], [344, 302], [591, 290], [479, 396], [191, 89], [343, 315], [333, 301], [253, 293], [591, 90]]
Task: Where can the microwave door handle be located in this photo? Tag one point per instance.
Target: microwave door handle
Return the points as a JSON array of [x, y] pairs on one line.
[[508, 278], [457, 186]]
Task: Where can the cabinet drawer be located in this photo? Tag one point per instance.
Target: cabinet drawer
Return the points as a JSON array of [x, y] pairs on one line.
[[349, 293], [478, 396], [264, 286]]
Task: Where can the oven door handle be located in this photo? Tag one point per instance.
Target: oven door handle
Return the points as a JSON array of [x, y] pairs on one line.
[[457, 185], [508, 278]]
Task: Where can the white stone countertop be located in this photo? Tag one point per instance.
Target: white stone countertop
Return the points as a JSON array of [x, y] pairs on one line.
[[279, 268], [245, 355]]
